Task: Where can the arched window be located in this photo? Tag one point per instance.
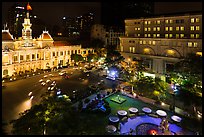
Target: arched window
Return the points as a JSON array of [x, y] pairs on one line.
[[5, 72]]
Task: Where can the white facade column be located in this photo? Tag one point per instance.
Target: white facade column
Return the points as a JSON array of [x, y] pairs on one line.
[[19, 57], [24, 56], [158, 66], [50, 55], [36, 55], [44, 54], [30, 56], [10, 59]]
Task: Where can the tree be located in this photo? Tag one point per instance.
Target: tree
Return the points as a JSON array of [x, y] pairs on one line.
[[113, 56], [76, 57], [90, 57]]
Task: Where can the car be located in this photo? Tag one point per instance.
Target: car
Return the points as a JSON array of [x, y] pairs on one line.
[[50, 88], [30, 93], [53, 84], [43, 83], [31, 97], [41, 80], [51, 75], [47, 81], [62, 73], [45, 76]]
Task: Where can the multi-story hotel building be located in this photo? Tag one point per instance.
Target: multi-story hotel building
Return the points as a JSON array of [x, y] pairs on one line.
[[161, 41], [28, 54]]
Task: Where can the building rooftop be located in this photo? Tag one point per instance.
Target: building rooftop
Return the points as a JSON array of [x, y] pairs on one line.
[[6, 36], [61, 43], [170, 15], [45, 36]]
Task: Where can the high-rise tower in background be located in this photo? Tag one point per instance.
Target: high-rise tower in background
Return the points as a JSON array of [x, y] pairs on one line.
[[15, 17]]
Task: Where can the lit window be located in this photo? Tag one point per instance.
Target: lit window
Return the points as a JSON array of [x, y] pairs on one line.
[[182, 28], [149, 22], [170, 28], [149, 29], [181, 35], [158, 21], [130, 49], [166, 28], [177, 28], [138, 28], [177, 35], [192, 27], [147, 51], [145, 22], [158, 28], [145, 35], [190, 44], [197, 27], [197, 20], [133, 49], [150, 42], [192, 20], [166, 35], [170, 35], [195, 44], [140, 41], [135, 28], [158, 35], [144, 42], [149, 35], [197, 35], [15, 58], [154, 29], [153, 42], [154, 35], [170, 52], [145, 29], [138, 35], [170, 21], [192, 35], [166, 21]]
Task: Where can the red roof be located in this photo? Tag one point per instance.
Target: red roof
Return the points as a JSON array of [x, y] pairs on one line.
[[45, 36], [6, 36], [61, 43]]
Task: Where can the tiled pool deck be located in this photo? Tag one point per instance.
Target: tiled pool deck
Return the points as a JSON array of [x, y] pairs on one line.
[[133, 123]]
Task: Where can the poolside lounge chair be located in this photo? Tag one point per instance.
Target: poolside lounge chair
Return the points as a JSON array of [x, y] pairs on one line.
[[153, 115], [132, 116], [141, 114], [124, 120]]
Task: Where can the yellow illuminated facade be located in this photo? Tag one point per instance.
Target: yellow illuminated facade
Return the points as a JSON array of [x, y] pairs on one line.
[[28, 54], [170, 39]]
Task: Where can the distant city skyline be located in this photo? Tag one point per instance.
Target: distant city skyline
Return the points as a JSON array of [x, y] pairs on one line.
[[52, 13]]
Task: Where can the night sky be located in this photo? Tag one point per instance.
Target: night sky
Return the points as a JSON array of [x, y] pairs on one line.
[[52, 12]]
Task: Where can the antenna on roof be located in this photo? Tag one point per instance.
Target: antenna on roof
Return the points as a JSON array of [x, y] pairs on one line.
[[45, 28]]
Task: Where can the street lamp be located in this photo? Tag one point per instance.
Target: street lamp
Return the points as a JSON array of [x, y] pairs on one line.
[[128, 61]]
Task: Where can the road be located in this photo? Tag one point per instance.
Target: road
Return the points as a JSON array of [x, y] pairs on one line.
[[15, 95]]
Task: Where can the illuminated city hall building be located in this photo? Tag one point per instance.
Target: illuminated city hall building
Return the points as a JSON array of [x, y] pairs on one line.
[[161, 41], [28, 54]]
